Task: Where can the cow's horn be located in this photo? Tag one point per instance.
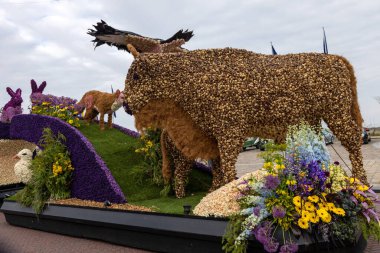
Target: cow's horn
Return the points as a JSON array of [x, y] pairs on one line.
[[133, 50]]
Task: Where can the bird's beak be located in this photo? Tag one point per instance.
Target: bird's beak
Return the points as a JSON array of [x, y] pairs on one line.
[[16, 157]]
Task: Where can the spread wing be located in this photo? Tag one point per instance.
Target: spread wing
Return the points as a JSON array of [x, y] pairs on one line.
[[105, 34]]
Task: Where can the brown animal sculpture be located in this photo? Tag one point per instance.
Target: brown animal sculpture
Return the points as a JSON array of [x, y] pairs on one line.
[[209, 101], [105, 34], [97, 102], [174, 162]]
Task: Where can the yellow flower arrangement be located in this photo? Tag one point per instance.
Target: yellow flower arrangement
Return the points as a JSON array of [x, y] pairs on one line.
[[313, 198], [314, 218], [339, 211], [326, 218], [291, 182], [323, 214], [305, 215], [309, 206], [267, 165], [304, 224], [330, 206], [297, 201]]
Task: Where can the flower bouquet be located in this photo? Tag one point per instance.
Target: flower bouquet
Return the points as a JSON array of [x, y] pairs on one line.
[[301, 194]]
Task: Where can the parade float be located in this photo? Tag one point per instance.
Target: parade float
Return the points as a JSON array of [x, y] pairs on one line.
[[205, 103]]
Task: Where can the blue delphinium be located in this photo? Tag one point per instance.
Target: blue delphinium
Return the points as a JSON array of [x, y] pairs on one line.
[[304, 145]]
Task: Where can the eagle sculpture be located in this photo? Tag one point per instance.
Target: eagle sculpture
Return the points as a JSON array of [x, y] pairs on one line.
[[105, 34]]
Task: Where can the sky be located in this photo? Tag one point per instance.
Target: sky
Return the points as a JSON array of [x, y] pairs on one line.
[[47, 40]]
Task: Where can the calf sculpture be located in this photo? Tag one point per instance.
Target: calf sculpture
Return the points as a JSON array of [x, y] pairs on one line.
[[209, 101]]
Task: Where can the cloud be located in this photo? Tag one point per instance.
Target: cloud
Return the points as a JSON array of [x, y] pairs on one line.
[[47, 40]]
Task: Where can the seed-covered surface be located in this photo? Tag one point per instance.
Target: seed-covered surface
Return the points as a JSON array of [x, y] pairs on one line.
[[89, 203], [223, 202], [9, 148], [230, 94]]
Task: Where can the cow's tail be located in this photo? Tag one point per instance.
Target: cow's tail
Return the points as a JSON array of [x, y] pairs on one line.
[[355, 110]]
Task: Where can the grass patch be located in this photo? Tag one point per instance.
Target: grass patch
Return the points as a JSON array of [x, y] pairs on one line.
[[118, 152]]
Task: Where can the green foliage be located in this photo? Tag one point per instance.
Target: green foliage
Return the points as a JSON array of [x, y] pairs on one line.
[[273, 152], [128, 168], [51, 173], [371, 229], [150, 148], [232, 232], [65, 113]]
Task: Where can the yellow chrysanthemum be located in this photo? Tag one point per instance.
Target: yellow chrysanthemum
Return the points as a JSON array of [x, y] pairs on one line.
[[323, 205], [339, 211], [309, 206], [330, 206], [297, 201], [352, 180], [305, 215], [327, 218], [71, 121], [314, 218], [298, 209], [303, 223], [313, 198], [267, 165], [363, 188], [322, 213]]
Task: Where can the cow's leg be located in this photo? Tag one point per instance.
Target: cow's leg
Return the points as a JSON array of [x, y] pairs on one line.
[[217, 175], [109, 123], [90, 115], [101, 121], [229, 149], [165, 150], [182, 169], [349, 133]]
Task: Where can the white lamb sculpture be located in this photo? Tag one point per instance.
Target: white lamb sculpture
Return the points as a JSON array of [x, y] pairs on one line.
[[21, 168]]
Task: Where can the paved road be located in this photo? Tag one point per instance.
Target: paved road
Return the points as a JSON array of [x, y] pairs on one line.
[[22, 240]]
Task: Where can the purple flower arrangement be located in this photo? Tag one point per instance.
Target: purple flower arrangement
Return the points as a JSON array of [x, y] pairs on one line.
[[92, 180], [301, 197], [4, 130], [13, 107]]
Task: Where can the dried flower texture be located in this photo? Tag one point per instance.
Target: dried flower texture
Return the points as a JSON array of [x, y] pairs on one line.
[[223, 201], [173, 158], [228, 94]]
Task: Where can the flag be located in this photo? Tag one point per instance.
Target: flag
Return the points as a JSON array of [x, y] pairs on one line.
[[325, 50], [273, 50]]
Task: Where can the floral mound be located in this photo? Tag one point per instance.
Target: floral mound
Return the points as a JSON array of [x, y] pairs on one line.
[[303, 195], [92, 180], [4, 130], [223, 201]]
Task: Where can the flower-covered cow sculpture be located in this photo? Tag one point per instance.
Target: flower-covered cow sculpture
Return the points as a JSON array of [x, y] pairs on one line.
[[209, 101]]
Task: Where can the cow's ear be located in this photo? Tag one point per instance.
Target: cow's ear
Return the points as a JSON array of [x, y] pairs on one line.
[[133, 51]]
